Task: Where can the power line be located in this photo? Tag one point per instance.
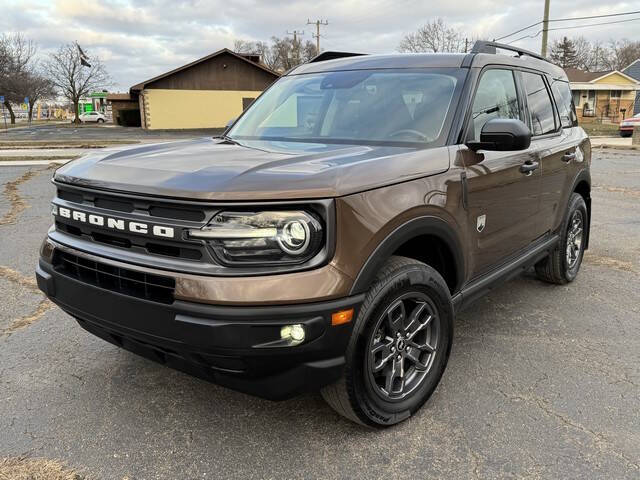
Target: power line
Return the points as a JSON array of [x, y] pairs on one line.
[[317, 23], [565, 20], [572, 27]]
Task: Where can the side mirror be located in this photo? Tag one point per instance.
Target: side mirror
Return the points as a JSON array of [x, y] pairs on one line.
[[229, 125], [502, 135]]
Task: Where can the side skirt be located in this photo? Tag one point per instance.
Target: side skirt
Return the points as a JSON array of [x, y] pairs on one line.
[[482, 285]]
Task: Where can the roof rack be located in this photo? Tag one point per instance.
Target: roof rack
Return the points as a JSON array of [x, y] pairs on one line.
[[483, 46], [324, 56]]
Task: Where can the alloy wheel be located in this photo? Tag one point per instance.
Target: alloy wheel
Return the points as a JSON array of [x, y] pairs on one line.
[[574, 239], [403, 346]]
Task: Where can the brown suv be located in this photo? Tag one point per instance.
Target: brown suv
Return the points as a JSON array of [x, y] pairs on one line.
[[329, 237]]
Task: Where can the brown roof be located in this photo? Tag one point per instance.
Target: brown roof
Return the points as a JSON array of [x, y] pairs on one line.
[[119, 96], [244, 58], [580, 76]]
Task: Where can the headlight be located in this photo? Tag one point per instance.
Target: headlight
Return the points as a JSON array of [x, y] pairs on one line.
[[263, 238]]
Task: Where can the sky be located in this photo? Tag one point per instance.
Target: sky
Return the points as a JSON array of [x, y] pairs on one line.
[[138, 40]]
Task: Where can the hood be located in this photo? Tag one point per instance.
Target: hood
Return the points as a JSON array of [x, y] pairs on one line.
[[214, 169]]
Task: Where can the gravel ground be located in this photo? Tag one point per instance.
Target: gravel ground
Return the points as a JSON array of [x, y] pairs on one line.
[[543, 381]]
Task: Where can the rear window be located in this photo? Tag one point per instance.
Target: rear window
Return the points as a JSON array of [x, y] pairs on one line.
[[541, 115], [564, 101]]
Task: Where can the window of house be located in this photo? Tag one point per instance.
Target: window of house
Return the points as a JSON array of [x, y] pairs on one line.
[[495, 98], [616, 94], [540, 107]]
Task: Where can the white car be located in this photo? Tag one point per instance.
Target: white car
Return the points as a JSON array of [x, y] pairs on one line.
[[96, 117]]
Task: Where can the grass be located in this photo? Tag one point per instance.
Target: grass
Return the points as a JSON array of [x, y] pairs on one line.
[[21, 468], [601, 129]]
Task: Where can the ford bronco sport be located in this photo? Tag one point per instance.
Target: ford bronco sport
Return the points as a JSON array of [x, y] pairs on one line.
[[328, 238]]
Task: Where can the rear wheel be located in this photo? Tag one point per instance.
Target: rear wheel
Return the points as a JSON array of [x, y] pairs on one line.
[[563, 263], [399, 346], [100, 120]]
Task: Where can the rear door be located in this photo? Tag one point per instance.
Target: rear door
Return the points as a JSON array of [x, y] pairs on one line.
[[502, 200], [553, 141]]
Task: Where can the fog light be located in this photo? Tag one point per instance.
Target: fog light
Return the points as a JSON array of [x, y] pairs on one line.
[[294, 334]]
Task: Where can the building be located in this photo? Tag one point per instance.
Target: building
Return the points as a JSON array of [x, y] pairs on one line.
[[606, 97], [633, 70], [206, 93], [120, 104]]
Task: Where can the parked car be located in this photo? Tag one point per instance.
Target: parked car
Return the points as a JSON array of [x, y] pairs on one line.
[[329, 237], [627, 125], [95, 117]]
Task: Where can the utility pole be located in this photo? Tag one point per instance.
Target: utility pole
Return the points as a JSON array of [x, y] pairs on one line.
[[545, 28], [296, 47], [317, 23]]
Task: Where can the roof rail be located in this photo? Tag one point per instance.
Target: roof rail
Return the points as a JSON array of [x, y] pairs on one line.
[[324, 56], [483, 46]]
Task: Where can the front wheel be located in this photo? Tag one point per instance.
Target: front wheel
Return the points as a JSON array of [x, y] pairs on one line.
[[100, 120], [399, 347], [563, 263]]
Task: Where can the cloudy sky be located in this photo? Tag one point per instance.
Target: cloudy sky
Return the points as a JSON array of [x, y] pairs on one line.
[[140, 39]]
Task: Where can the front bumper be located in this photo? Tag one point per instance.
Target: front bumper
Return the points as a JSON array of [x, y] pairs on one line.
[[228, 345]]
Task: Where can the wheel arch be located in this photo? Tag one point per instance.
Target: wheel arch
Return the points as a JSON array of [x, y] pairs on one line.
[[582, 186], [407, 235]]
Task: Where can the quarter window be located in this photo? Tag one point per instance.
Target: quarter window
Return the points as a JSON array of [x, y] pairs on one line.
[[564, 101], [496, 97], [541, 116]]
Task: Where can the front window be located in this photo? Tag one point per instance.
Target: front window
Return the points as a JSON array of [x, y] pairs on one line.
[[354, 107]]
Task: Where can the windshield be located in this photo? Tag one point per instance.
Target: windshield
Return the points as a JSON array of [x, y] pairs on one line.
[[358, 107]]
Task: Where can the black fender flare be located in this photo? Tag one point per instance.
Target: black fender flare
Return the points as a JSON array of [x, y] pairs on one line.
[[426, 225]]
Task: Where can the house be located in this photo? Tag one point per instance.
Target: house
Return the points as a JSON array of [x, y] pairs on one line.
[[206, 93], [606, 97], [633, 70]]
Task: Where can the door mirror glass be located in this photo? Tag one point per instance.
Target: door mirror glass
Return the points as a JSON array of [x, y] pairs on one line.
[[502, 135]]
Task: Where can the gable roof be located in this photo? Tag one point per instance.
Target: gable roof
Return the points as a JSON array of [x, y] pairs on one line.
[[581, 76], [633, 69], [244, 58]]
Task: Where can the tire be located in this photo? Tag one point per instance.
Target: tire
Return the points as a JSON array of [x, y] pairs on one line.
[[386, 397], [560, 267], [100, 120]]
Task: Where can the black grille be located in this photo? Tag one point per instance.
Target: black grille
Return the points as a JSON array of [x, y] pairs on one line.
[[121, 280], [148, 207]]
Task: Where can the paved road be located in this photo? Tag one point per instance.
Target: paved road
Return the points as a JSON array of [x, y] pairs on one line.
[[103, 132], [543, 382]]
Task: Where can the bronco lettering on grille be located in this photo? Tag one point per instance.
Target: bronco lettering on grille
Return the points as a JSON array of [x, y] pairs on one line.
[[113, 223]]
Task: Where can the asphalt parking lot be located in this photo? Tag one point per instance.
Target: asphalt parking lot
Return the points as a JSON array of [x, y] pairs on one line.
[[543, 381]]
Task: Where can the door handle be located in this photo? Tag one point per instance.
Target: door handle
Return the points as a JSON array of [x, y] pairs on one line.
[[528, 167], [567, 157]]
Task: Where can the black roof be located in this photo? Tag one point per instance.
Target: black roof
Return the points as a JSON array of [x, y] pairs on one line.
[[476, 59]]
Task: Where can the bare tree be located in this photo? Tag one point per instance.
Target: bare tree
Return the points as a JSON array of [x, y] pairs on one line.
[[37, 87], [17, 62], [435, 36], [72, 76], [283, 53], [621, 54]]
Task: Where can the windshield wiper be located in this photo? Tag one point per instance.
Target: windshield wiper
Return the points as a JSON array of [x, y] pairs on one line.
[[229, 140]]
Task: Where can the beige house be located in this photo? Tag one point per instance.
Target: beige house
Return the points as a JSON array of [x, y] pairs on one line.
[[606, 97], [206, 93]]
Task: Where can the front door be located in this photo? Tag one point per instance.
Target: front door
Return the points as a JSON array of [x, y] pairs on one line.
[[502, 196]]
